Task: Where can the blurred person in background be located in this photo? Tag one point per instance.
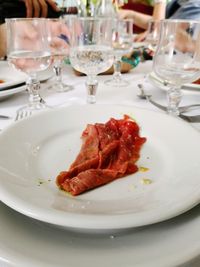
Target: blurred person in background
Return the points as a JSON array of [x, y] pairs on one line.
[[183, 9], [141, 11], [23, 9], [157, 10]]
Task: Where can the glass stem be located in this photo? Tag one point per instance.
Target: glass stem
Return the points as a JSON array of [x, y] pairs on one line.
[[117, 69], [33, 87], [58, 71], [174, 96], [91, 85]]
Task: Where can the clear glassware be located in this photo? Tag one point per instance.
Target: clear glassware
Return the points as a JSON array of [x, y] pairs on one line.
[[59, 41], [105, 8], [28, 51], [177, 58], [122, 43], [152, 37], [69, 7], [91, 50]]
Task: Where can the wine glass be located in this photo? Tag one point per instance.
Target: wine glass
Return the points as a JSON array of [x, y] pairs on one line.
[[59, 41], [91, 50], [122, 43], [177, 58], [151, 41], [28, 51], [152, 36]]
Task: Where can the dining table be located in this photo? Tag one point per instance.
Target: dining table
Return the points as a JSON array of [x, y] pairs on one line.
[[27, 242]]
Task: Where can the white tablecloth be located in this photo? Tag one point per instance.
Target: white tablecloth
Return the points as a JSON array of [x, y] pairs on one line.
[[105, 95]]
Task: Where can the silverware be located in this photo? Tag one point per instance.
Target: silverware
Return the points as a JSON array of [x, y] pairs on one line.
[[13, 86], [21, 114], [192, 119], [182, 109], [4, 117]]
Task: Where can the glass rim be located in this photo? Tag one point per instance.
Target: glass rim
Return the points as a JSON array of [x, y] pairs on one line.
[[181, 21], [93, 18], [24, 19], [124, 20]]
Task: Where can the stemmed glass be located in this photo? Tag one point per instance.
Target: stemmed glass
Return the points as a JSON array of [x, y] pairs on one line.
[[91, 50], [59, 41], [177, 58], [151, 40], [152, 36], [28, 51], [122, 43]]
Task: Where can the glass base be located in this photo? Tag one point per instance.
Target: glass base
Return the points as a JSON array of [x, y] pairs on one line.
[[60, 88], [173, 111], [174, 96], [117, 82], [30, 109]]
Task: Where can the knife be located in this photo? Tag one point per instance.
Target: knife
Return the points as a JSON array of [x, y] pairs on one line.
[[192, 119], [4, 117], [12, 87]]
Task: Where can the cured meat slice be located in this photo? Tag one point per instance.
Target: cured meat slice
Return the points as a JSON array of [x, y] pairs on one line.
[[88, 156], [88, 180], [108, 151]]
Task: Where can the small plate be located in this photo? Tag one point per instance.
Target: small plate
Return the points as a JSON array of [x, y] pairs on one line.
[[29, 243], [171, 160], [10, 76], [189, 88], [7, 93], [13, 77]]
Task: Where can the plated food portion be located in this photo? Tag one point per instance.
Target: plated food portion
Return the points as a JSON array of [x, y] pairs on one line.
[[155, 182], [109, 151]]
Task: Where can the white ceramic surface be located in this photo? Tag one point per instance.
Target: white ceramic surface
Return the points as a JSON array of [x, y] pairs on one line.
[[10, 76], [29, 243], [14, 77], [7, 93], [48, 142], [187, 88]]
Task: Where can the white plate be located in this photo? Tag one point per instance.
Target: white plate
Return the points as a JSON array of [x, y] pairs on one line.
[[48, 142], [27, 243], [189, 88], [10, 76], [7, 93], [13, 77]]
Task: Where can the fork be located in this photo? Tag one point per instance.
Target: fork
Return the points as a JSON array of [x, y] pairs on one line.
[[21, 114], [143, 95], [192, 119]]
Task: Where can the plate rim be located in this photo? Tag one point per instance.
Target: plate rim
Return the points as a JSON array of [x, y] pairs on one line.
[[24, 209], [3, 86], [182, 258], [156, 81], [6, 93]]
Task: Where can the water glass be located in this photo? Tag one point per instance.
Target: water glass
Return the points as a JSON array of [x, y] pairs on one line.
[[28, 51], [152, 37], [177, 58], [91, 50], [122, 43], [59, 42]]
